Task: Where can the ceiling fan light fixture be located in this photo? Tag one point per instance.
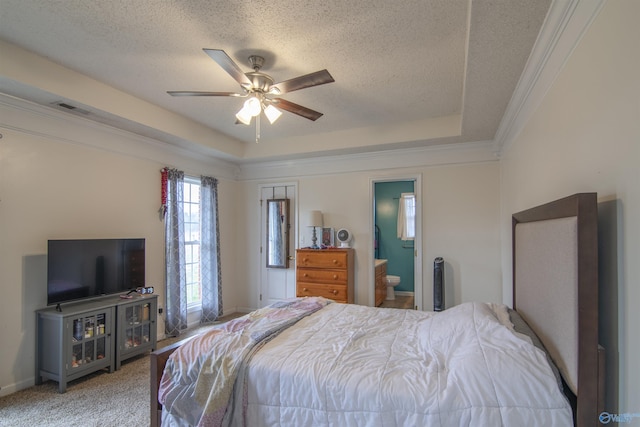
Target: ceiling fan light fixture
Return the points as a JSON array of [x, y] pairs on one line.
[[252, 106], [272, 113], [244, 116], [258, 87]]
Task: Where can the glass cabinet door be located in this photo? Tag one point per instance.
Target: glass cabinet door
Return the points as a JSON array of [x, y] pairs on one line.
[[145, 334], [88, 340], [137, 325], [136, 328]]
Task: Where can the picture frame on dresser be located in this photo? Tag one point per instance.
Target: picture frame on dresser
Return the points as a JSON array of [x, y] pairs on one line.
[[328, 237]]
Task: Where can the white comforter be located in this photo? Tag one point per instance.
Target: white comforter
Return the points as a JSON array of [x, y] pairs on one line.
[[349, 365]]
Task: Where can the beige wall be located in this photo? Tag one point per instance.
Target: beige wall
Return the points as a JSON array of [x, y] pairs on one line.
[[585, 137], [460, 223], [53, 185]]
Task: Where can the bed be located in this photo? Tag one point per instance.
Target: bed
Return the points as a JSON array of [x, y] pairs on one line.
[[313, 362]]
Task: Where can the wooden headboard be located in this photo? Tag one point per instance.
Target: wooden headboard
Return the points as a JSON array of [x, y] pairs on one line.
[[555, 289]]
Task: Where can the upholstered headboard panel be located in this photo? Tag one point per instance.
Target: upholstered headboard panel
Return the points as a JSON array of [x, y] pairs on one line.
[[547, 275], [555, 289]]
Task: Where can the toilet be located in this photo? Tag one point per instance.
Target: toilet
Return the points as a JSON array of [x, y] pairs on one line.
[[392, 282]]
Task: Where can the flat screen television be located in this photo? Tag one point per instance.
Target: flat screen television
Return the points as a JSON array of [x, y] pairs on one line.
[[79, 269]]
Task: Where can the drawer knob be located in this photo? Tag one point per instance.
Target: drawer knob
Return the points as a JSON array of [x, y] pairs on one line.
[[335, 276], [335, 292], [304, 289], [335, 261], [305, 275]]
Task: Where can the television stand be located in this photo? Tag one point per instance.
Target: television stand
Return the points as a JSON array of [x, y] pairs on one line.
[[93, 335]]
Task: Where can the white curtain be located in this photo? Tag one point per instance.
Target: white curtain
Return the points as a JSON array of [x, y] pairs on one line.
[[210, 250], [407, 216], [176, 294]]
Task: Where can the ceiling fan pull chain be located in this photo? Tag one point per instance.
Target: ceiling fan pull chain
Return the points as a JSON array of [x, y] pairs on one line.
[[258, 127]]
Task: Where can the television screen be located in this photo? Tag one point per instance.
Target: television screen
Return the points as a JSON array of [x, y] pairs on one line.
[[78, 269]]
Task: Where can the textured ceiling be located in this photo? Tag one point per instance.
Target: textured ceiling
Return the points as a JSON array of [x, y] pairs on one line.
[[402, 67]]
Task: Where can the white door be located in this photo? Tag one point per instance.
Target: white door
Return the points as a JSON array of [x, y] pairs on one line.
[[277, 283]]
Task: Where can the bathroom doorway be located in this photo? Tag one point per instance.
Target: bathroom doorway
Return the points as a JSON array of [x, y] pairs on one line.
[[396, 236]]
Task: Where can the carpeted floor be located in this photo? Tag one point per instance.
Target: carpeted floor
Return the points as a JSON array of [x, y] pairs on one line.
[[101, 399]]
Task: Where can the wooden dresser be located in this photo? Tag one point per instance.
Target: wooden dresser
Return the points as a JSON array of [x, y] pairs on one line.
[[326, 273]]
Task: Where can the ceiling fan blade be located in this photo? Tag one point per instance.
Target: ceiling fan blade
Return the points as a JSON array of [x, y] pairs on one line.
[[308, 80], [191, 93], [228, 65], [296, 109]]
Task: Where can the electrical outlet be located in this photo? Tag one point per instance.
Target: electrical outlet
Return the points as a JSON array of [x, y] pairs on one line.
[[160, 310]]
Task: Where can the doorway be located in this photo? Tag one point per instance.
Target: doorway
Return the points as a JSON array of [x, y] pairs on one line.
[[402, 251], [278, 283]]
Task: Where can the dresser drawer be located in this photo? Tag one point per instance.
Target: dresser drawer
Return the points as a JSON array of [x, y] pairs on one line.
[[321, 276], [335, 292], [322, 259]]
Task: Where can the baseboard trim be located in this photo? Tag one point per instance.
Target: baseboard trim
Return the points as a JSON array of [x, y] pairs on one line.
[[404, 293], [12, 388]]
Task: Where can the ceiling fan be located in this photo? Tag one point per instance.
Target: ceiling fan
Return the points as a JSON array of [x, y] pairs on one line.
[[261, 90]]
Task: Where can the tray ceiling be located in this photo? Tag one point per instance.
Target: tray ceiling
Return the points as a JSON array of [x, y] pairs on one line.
[[407, 74]]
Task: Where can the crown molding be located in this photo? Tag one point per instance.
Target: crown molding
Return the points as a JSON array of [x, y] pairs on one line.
[[45, 122], [26, 117], [453, 153], [563, 28]]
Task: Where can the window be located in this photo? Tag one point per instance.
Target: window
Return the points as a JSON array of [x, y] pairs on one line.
[[192, 246], [191, 206], [407, 217]]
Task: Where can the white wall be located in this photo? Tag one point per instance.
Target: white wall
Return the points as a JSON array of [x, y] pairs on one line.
[[585, 137], [460, 223], [55, 184]]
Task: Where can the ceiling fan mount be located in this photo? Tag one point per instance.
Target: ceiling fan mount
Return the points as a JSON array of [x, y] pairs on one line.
[[256, 62], [260, 82], [256, 84]]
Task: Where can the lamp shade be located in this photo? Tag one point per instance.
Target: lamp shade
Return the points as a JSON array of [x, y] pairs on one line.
[[314, 219], [244, 116], [272, 113], [253, 106]]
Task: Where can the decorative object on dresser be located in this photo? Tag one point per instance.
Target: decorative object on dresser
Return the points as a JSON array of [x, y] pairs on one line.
[[327, 237], [314, 219], [344, 237], [327, 273]]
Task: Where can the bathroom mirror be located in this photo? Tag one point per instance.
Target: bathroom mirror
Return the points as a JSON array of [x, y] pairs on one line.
[[278, 233]]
